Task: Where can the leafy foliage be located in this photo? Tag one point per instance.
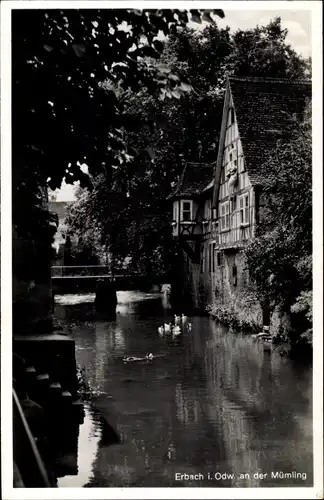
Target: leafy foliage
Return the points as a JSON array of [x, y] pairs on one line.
[[264, 52], [87, 247], [162, 134], [61, 58], [62, 112], [280, 257]]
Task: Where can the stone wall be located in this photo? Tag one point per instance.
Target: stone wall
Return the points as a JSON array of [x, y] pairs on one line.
[[223, 293], [232, 293], [31, 288]]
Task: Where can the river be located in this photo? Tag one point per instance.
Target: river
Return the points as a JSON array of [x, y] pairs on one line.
[[214, 408]]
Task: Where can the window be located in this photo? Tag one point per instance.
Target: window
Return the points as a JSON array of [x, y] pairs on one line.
[[202, 258], [218, 259], [230, 116], [208, 209], [186, 211], [234, 274], [224, 216], [213, 252], [211, 257], [231, 159], [207, 257], [243, 169], [175, 211], [261, 208], [244, 209]]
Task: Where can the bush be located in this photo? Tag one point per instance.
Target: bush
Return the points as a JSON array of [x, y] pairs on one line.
[[228, 316]]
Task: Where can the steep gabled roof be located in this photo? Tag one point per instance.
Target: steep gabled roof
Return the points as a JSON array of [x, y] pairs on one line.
[[195, 178], [265, 109]]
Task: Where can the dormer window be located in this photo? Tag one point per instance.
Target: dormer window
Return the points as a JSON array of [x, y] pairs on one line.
[[186, 211]]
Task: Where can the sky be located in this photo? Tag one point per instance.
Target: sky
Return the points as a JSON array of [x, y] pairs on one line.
[[297, 22]]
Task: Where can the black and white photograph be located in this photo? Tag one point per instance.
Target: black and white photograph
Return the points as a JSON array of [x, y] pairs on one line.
[[161, 249]]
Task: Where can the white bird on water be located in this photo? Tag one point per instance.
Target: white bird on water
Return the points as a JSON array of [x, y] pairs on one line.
[[149, 356], [161, 330], [176, 330], [184, 318], [177, 319], [167, 327]]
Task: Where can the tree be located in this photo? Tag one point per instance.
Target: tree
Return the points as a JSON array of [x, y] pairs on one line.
[[61, 58], [62, 113], [264, 52], [280, 257], [163, 134], [88, 247]]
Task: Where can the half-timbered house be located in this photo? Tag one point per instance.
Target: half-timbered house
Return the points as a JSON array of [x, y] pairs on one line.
[[227, 206]]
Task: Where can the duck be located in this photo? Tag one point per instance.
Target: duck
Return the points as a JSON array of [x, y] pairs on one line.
[[129, 358], [161, 330], [167, 327], [176, 330], [149, 356], [184, 318]]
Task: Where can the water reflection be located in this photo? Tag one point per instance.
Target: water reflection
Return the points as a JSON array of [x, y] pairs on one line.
[[89, 437], [213, 402]]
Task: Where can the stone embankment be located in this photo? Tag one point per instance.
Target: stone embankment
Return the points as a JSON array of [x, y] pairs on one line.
[[45, 382]]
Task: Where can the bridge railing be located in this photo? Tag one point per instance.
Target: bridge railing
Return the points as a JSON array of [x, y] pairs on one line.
[[76, 271], [62, 271]]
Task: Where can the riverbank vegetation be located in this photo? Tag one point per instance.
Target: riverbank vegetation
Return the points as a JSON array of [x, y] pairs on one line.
[[279, 259]]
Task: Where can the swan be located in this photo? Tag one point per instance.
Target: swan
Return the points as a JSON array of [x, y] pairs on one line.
[[176, 330], [149, 356], [161, 330]]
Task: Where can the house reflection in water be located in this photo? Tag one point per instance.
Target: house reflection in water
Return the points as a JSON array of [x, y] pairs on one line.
[[78, 465]]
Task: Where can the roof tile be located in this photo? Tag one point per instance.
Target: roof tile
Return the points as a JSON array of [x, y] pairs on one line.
[[194, 179], [264, 110]]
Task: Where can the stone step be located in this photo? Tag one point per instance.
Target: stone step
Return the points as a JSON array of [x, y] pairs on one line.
[[56, 386], [41, 392], [31, 370], [31, 375], [43, 377], [67, 397], [55, 390]]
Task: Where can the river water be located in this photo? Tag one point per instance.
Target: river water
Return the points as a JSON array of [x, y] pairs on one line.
[[213, 409]]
